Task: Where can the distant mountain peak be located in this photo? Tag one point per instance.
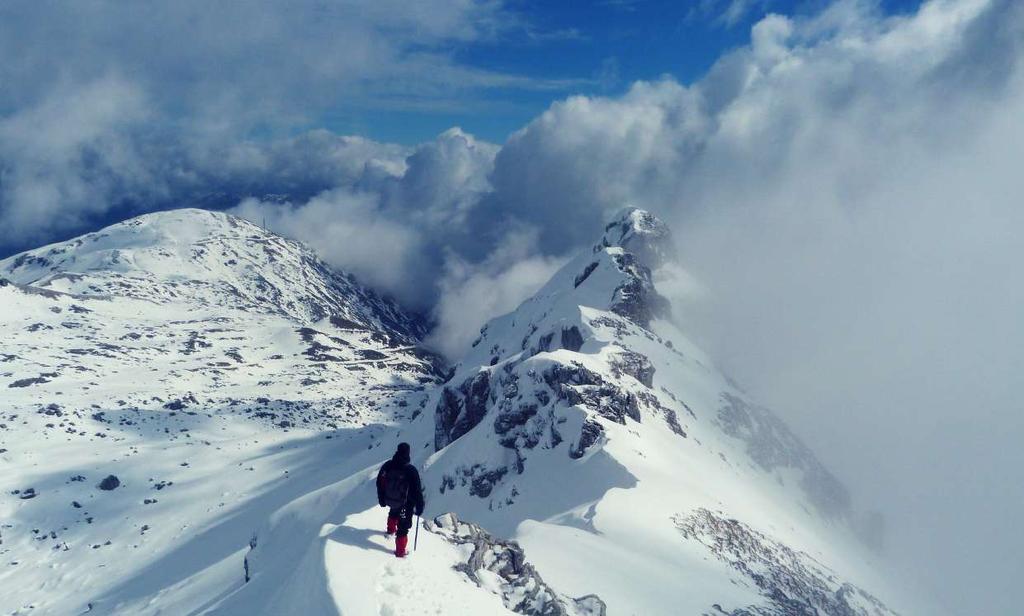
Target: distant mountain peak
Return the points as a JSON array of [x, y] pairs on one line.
[[639, 232], [214, 259]]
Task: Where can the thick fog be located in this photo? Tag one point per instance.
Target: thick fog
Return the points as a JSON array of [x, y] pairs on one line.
[[846, 191]]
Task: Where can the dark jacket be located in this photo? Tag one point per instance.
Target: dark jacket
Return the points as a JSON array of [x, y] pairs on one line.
[[400, 463]]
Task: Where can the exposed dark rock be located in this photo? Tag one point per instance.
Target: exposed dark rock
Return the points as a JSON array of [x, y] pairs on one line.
[[587, 271], [181, 403], [618, 325], [110, 482], [591, 433], [579, 386], [484, 481], [572, 339], [194, 343], [670, 416], [53, 410], [370, 354], [506, 421], [460, 409], [342, 323], [38, 380], [636, 299], [635, 365]]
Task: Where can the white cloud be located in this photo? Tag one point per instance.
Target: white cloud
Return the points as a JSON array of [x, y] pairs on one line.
[[110, 108], [63, 155], [472, 293], [394, 217], [346, 227]]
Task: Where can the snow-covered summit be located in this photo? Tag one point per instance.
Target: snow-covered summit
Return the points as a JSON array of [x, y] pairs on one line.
[[211, 259], [586, 422], [640, 233]]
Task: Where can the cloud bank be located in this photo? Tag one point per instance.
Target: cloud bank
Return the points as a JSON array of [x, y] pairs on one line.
[[106, 109], [846, 187]]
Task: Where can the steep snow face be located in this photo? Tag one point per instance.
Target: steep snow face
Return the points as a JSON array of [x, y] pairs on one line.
[[198, 359], [589, 427]]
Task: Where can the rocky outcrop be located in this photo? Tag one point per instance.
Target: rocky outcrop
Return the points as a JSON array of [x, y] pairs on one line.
[[461, 408], [642, 234], [110, 482], [572, 339], [793, 583], [519, 585], [636, 298], [587, 271], [590, 434], [635, 365], [771, 444], [580, 386]]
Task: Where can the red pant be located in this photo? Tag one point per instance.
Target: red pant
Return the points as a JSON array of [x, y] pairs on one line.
[[400, 520]]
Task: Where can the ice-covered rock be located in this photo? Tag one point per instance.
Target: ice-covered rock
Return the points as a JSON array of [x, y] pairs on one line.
[[501, 565]]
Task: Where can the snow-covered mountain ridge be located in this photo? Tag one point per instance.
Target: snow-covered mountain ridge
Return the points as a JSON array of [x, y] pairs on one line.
[[244, 393], [585, 420], [190, 354]]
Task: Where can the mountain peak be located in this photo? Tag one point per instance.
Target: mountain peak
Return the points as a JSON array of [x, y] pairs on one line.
[[213, 259], [641, 233]]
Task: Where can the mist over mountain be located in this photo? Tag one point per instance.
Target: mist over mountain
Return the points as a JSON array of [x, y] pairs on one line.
[[192, 399], [840, 178]]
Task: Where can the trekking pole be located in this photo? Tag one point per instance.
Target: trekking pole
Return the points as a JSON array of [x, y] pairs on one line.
[[416, 539]]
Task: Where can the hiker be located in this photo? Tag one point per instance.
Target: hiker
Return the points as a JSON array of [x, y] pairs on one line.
[[398, 487]]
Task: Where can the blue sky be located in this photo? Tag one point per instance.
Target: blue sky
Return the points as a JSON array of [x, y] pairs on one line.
[[596, 47]]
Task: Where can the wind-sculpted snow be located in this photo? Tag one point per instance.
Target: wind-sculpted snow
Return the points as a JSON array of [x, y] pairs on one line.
[[323, 553], [521, 587]]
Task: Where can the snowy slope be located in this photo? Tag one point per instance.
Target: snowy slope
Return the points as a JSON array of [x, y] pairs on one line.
[[197, 358], [244, 395]]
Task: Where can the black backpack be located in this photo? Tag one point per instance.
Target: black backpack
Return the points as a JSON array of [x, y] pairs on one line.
[[396, 488]]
